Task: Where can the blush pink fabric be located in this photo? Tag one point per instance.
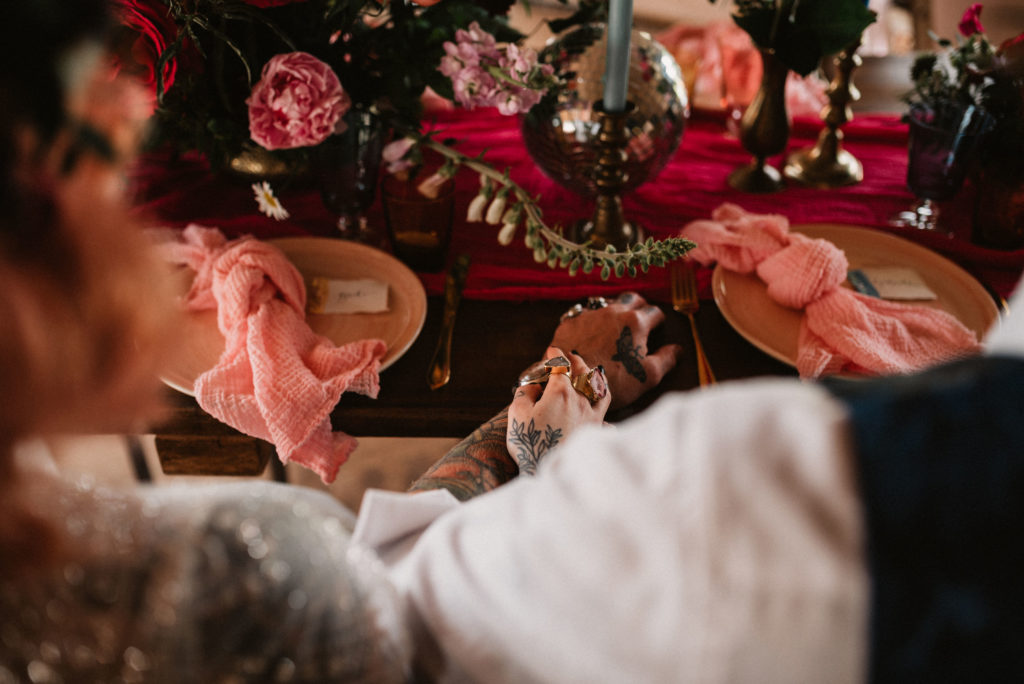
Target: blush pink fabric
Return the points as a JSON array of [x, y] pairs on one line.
[[708, 45], [276, 379], [842, 331]]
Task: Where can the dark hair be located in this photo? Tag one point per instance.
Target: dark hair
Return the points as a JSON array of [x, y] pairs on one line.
[[36, 40], [85, 303], [35, 36]]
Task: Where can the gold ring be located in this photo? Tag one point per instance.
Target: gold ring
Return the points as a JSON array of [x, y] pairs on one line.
[[536, 374], [557, 365], [591, 385]]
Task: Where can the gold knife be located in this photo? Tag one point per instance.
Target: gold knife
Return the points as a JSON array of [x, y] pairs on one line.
[[440, 371]]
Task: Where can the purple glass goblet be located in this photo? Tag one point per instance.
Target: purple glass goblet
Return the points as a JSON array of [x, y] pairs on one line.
[[942, 143]]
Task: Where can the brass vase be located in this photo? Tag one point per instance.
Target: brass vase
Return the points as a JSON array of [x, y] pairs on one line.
[[827, 164], [764, 130]]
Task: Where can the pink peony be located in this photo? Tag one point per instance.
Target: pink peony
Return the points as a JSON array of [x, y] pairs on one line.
[[970, 22], [297, 102]]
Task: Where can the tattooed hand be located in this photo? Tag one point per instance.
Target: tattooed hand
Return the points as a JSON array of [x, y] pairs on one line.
[[616, 337], [542, 416]]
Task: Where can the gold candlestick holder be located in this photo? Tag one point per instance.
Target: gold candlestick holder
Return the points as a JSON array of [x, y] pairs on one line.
[[827, 164], [608, 225]]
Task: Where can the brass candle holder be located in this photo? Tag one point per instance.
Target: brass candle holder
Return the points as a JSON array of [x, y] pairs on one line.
[[608, 225], [827, 164]]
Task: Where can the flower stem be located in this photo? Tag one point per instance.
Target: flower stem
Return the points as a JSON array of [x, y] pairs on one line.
[[560, 249]]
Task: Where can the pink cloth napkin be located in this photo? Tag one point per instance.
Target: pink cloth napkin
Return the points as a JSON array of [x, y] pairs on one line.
[[842, 331], [276, 379]]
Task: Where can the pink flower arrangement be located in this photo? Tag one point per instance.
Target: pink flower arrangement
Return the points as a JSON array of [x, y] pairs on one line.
[[298, 102], [485, 74], [318, 66]]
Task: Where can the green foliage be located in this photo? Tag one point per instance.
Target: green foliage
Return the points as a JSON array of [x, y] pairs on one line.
[[385, 54], [972, 71], [802, 32], [550, 246]]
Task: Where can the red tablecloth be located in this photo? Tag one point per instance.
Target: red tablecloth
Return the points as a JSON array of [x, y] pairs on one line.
[[180, 191]]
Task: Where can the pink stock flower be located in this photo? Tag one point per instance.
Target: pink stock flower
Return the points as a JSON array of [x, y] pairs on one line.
[[970, 22], [486, 75], [520, 60], [297, 102], [474, 34]]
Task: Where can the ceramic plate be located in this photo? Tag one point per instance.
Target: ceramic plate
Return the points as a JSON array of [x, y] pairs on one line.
[[337, 259], [773, 328]]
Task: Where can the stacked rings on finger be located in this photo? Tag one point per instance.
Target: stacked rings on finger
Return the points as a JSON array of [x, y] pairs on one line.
[[538, 373], [576, 309], [591, 384]]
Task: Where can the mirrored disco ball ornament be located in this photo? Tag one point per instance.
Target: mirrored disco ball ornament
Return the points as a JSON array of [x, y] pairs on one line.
[[561, 131]]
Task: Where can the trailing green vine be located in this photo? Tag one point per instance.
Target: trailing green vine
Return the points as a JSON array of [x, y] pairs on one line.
[[509, 205]]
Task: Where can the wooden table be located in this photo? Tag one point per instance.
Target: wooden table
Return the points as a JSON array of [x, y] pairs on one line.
[[497, 335], [494, 341]]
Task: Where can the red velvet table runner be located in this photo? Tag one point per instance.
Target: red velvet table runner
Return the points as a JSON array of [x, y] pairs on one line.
[[181, 191]]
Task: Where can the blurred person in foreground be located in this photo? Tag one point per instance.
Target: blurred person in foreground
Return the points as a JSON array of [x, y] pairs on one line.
[[242, 582], [762, 531]]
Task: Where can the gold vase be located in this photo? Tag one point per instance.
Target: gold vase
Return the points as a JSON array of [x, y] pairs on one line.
[[827, 164], [764, 130]]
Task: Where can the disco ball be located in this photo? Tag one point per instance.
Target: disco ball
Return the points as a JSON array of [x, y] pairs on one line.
[[561, 131]]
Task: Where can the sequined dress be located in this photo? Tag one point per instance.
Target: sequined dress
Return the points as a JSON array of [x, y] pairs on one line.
[[229, 583]]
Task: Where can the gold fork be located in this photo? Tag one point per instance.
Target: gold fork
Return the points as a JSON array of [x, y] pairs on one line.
[[685, 301]]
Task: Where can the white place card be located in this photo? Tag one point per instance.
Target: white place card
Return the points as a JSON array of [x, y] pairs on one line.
[[890, 282], [327, 296]]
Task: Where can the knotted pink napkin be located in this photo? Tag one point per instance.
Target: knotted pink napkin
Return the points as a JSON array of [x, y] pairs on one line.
[[842, 331], [276, 379]]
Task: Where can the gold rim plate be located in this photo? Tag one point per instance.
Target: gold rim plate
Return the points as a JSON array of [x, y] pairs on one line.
[[774, 329], [399, 326]]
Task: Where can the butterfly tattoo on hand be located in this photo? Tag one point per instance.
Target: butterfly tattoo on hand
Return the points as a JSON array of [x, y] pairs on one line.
[[630, 355]]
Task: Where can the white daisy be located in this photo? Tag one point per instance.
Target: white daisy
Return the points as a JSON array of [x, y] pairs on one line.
[[268, 204]]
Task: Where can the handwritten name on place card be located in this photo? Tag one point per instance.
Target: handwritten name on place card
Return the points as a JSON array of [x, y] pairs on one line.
[[365, 295], [890, 283]]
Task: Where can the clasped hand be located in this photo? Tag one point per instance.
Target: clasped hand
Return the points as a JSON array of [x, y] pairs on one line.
[[610, 341]]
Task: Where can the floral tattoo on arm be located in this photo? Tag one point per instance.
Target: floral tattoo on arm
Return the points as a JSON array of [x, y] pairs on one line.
[[475, 465], [630, 355], [531, 444]]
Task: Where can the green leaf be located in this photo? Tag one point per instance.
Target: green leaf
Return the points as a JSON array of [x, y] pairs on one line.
[[798, 49], [819, 28], [835, 23], [758, 23]]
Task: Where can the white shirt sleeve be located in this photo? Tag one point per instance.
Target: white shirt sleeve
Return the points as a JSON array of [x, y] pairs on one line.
[[716, 537]]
